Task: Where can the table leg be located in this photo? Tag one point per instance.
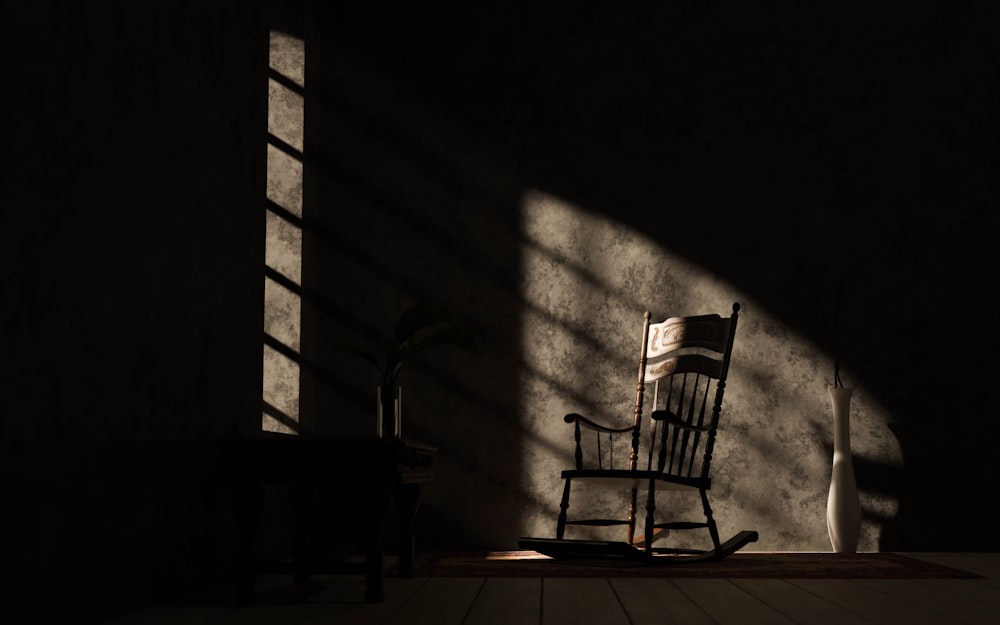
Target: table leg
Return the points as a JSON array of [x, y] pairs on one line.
[[375, 545], [303, 498], [407, 500], [247, 502]]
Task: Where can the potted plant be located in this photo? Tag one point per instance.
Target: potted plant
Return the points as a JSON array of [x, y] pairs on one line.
[[418, 328]]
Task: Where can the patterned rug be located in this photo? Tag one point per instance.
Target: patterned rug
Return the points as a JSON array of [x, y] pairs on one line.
[[742, 564]]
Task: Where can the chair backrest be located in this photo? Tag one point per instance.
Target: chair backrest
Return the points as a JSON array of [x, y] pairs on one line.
[[684, 363]]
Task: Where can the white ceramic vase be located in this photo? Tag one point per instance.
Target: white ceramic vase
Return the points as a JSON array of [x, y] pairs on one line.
[[843, 508]]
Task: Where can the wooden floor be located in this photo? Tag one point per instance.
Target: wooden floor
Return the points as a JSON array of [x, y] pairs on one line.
[[557, 601]]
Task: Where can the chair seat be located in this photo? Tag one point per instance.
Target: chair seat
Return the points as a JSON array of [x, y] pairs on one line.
[[625, 478]]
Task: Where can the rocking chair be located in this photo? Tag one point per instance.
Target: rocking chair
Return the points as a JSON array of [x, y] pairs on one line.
[[684, 362]]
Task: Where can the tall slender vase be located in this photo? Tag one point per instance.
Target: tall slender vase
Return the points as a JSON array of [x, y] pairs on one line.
[[843, 508], [389, 412]]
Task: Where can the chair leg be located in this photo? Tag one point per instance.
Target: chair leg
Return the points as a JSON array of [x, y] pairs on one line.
[[712, 529], [561, 525], [650, 518], [631, 517]]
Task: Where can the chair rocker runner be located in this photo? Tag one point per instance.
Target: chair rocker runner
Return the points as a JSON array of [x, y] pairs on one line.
[[684, 362]]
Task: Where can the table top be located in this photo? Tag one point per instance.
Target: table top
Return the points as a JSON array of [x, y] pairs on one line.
[[275, 457]]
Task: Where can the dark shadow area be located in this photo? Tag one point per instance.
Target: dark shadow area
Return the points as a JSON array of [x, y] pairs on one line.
[[843, 161], [826, 151], [133, 196]]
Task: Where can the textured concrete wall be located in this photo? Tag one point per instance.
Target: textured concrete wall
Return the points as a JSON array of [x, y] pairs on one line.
[[588, 280], [551, 172]]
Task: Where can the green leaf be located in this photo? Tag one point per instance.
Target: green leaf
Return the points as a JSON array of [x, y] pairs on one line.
[[418, 318], [394, 356], [358, 350], [454, 335], [420, 327]]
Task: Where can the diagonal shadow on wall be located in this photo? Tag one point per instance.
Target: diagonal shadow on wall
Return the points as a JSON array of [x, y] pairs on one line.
[[778, 144]]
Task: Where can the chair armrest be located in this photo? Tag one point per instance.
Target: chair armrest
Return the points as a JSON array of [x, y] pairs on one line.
[[672, 419], [584, 421]]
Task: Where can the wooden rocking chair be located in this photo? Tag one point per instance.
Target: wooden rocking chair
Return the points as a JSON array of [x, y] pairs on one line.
[[684, 362]]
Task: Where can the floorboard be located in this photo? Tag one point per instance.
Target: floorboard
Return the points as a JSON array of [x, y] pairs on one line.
[[615, 601], [350, 607], [798, 605], [972, 603], [728, 604], [507, 601], [872, 604], [657, 601], [441, 601], [577, 601], [197, 615]]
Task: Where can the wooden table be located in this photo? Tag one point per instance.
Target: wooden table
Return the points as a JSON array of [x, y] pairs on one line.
[[372, 477]]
